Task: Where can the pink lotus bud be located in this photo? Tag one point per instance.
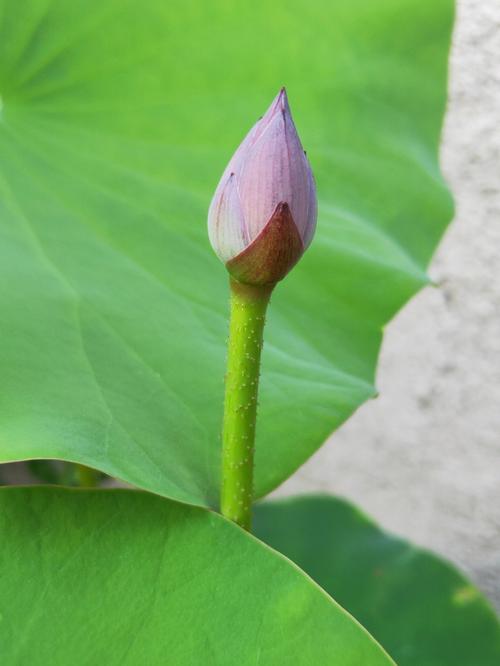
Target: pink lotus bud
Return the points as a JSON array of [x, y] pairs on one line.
[[263, 214]]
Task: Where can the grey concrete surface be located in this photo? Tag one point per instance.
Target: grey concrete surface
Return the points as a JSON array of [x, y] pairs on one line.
[[424, 458]]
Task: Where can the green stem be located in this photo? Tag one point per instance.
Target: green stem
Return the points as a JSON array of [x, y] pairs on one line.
[[86, 476], [248, 313]]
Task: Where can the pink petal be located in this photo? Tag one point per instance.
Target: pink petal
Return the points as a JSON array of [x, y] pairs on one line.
[[226, 224]]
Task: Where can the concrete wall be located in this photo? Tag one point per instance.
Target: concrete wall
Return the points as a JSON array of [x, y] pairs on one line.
[[424, 458]]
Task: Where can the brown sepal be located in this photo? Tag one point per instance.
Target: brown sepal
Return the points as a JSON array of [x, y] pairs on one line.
[[272, 254]]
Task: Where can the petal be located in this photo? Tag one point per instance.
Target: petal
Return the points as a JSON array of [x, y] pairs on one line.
[[275, 170], [299, 175], [264, 177], [272, 254], [226, 223], [312, 210], [239, 156]]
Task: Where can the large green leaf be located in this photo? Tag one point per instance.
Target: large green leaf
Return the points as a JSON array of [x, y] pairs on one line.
[[419, 607], [117, 119], [127, 578]]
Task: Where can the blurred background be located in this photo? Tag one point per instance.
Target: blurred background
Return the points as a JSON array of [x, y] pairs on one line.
[[424, 457]]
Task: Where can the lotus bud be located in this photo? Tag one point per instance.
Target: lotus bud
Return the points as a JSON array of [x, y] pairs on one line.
[[263, 214]]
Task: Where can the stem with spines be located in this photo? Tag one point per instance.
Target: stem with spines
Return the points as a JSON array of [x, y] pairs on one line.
[[248, 312]]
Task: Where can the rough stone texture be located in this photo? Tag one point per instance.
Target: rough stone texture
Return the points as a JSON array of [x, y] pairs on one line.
[[424, 458]]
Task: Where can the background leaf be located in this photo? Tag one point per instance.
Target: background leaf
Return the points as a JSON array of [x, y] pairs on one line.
[[117, 119], [127, 578], [419, 607]]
